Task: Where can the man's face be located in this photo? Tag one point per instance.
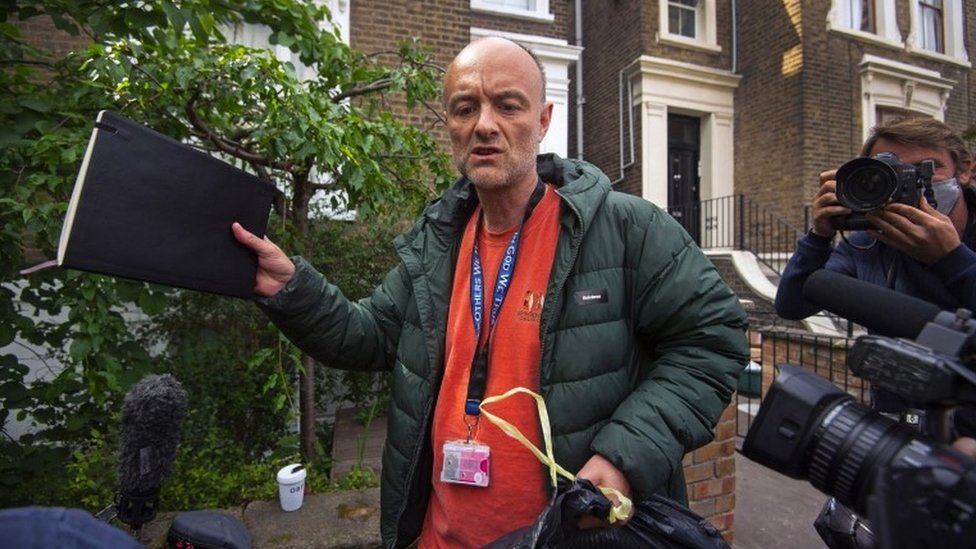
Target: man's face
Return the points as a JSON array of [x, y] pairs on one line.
[[495, 114], [944, 165]]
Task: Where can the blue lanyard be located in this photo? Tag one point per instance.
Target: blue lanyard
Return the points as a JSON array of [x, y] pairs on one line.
[[506, 271]]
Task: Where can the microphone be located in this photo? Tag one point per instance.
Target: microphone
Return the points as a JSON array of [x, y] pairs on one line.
[[879, 309], [152, 415]]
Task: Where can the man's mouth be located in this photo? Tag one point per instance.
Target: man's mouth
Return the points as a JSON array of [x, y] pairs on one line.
[[484, 152]]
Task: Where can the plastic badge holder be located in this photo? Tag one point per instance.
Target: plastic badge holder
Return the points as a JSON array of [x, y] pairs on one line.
[[291, 486]]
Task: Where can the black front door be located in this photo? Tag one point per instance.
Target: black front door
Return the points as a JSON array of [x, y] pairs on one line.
[[683, 169]]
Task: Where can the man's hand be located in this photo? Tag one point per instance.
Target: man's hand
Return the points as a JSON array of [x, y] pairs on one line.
[[965, 445], [601, 472], [825, 205], [275, 269], [922, 233]]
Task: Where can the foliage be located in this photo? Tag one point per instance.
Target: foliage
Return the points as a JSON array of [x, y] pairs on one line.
[[169, 65], [356, 256]]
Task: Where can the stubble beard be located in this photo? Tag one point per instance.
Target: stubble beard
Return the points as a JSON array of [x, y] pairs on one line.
[[506, 175]]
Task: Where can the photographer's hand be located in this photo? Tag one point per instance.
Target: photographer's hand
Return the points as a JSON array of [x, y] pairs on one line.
[[922, 233], [965, 445], [825, 205]]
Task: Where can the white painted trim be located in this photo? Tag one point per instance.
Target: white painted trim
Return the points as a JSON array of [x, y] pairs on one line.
[[888, 83], [706, 28], [665, 86], [540, 13]]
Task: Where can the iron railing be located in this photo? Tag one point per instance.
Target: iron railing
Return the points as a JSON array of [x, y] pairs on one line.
[[823, 355], [741, 223]]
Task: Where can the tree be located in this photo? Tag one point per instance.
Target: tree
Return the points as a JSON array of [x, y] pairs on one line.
[[169, 64]]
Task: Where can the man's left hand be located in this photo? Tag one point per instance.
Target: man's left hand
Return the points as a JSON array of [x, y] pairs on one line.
[[601, 472]]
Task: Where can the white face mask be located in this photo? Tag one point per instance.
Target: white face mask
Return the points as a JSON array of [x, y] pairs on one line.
[[946, 194]]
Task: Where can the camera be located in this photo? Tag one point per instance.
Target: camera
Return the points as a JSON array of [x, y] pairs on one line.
[[915, 489], [866, 184]]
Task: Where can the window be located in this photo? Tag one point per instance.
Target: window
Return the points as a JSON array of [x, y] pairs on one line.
[[683, 17], [937, 30], [689, 23], [523, 9], [930, 23], [874, 20], [857, 15]]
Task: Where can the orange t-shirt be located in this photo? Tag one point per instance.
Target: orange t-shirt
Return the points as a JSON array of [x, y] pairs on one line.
[[472, 516]]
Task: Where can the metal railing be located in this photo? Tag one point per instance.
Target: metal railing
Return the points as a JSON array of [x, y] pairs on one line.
[[741, 223], [822, 355]]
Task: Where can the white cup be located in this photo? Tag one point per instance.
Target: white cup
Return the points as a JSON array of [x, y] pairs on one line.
[[291, 486]]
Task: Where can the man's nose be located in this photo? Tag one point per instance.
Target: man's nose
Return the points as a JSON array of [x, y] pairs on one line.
[[487, 124]]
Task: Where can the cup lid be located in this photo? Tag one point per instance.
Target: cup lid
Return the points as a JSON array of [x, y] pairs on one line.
[[290, 474]]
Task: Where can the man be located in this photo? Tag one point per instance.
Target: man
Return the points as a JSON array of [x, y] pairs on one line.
[[529, 273], [913, 248]]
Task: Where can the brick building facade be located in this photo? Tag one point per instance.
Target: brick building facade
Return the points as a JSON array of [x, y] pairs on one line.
[[682, 101], [812, 86]]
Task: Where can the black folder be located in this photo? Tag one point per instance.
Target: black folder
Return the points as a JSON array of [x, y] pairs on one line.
[[150, 208]]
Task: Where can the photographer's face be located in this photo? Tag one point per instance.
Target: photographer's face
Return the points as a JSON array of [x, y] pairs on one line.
[[944, 165]]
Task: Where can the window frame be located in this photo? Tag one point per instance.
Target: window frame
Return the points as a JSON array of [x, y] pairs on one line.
[[705, 27], [885, 31], [540, 11], [953, 33]]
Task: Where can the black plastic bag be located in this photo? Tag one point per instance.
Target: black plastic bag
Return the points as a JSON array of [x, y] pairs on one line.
[[656, 523]]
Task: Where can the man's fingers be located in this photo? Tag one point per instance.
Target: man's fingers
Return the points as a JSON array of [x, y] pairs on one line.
[[260, 246]]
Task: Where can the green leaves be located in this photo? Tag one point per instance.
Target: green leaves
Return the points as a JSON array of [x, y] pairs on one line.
[[324, 128]]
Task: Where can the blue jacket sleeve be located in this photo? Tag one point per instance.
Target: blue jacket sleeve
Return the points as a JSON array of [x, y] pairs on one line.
[[958, 271], [812, 253]]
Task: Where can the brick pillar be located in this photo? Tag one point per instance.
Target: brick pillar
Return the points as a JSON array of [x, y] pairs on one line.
[[710, 473]]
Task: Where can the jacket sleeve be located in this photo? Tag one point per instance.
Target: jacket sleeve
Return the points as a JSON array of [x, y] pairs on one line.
[[812, 253], [958, 271], [322, 322], [692, 328]]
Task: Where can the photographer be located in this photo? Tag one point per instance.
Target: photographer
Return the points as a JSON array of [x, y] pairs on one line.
[[920, 251]]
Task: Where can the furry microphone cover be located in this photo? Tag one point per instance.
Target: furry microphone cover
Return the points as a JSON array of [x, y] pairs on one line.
[[152, 416]]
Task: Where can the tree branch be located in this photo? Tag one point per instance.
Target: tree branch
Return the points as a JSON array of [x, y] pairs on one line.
[[228, 146], [379, 85]]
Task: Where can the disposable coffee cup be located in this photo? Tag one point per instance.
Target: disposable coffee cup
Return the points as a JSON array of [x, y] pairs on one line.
[[291, 486]]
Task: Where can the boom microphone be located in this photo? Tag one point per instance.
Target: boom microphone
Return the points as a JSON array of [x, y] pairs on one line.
[[152, 415], [880, 310]]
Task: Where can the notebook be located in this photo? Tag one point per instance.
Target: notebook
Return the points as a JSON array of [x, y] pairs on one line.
[[150, 208]]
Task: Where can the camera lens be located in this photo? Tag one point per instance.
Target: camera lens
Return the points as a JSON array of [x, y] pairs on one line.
[[865, 184], [850, 446]]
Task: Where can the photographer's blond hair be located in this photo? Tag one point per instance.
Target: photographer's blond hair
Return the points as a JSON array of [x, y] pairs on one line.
[[920, 131]]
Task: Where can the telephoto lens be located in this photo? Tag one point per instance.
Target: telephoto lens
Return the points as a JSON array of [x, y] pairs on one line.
[[909, 486]]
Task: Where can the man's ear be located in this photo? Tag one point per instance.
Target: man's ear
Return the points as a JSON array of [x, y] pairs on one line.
[[965, 175], [545, 118]]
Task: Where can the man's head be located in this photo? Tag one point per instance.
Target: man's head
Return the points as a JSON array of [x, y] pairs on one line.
[[915, 139], [494, 97]]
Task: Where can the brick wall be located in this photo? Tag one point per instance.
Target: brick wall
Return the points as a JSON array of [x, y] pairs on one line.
[[798, 106], [40, 32], [611, 42], [710, 474], [768, 122]]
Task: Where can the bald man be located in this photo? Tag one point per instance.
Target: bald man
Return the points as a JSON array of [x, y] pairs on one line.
[[528, 272]]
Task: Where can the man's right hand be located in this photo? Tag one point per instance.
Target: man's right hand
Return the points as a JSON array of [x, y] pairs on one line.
[[825, 205], [275, 269]]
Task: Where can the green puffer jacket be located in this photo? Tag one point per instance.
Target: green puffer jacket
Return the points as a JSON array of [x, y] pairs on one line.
[[642, 342]]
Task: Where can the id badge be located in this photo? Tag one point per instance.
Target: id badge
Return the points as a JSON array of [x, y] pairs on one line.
[[466, 463]]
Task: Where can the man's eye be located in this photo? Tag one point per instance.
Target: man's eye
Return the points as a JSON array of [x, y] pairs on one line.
[[463, 111]]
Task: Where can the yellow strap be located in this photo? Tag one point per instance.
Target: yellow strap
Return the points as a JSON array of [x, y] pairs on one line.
[[618, 512]]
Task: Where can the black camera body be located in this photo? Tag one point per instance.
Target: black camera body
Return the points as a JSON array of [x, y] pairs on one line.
[[867, 184], [914, 488]]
